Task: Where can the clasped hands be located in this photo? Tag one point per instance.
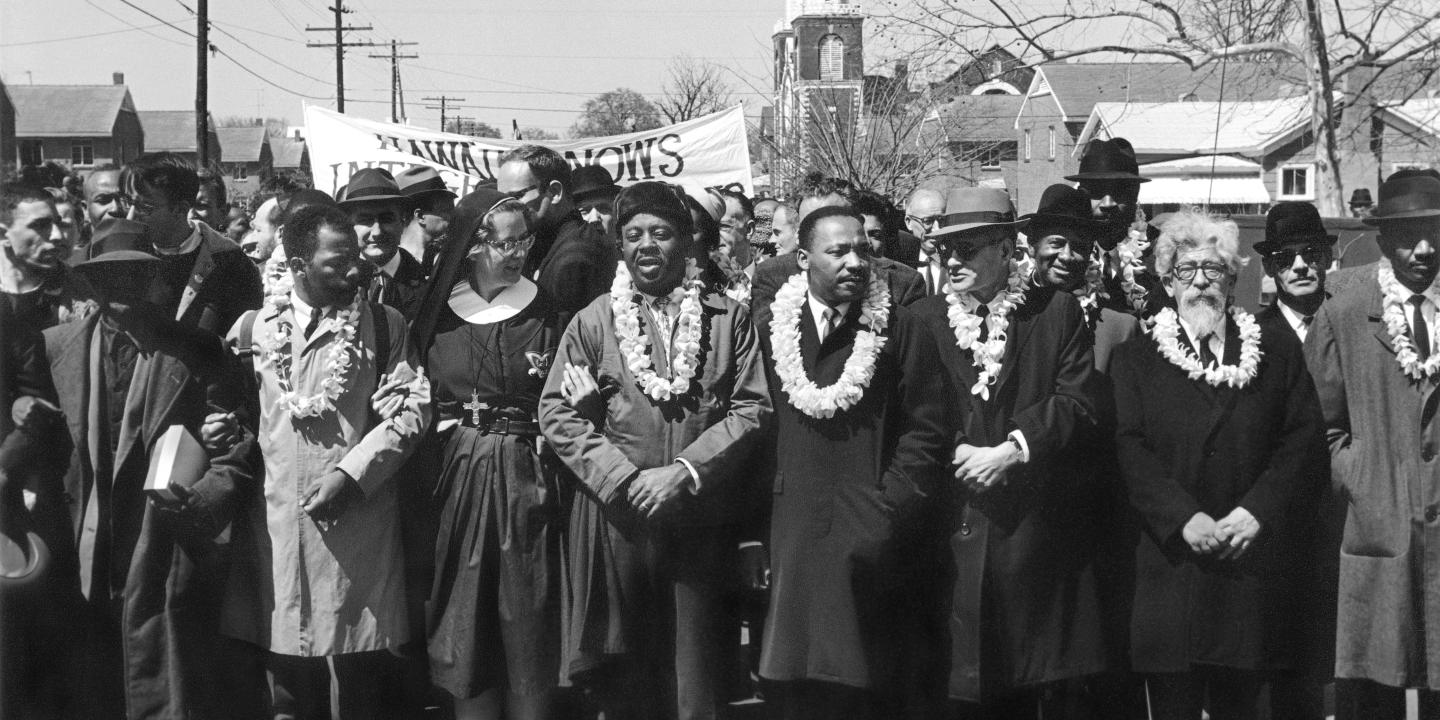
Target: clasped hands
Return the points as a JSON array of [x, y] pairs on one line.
[[983, 468], [1229, 537], [658, 490]]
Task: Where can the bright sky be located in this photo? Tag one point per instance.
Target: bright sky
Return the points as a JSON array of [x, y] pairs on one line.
[[536, 61]]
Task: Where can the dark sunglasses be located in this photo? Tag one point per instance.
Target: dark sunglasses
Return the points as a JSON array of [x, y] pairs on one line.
[[1312, 255]]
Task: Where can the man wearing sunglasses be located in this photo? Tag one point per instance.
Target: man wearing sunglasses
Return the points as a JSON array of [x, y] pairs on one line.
[[1297, 253], [568, 259]]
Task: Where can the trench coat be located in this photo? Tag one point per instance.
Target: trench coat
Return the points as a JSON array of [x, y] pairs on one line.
[[1024, 608], [309, 591], [171, 590], [1385, 466], [854, 528], [1187, 447]]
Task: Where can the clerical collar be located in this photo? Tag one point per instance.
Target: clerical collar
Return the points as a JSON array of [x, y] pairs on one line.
[[470, 307], [184, 248], [392, 267]]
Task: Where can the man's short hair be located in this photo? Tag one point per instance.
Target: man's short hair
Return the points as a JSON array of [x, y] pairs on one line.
[[705, 223], [302, 232], [1191, 229], [216, 183], [745, 203], [872, 203], [818, 185], [807, 226], [15, 194], [166, 173], [545, 164]]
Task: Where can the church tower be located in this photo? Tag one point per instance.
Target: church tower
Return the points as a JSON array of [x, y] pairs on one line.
[[819, 72]]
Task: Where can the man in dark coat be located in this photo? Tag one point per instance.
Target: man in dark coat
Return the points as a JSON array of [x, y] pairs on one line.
[[1297, 255], [568, 260], [379, 213], [1024, 611], [151, 570], [1221, 447], [1373, 349], [854, 538]]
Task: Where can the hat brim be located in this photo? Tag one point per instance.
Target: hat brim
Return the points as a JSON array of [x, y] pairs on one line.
[[610, 192], [347, 202], [428, 192], [967, 227], [1406, 215], [1047, 219], [1265, 247], [119, 256], [1107, 175]]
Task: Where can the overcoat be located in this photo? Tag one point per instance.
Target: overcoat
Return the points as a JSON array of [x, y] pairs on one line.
[[575, 267], [1384, 441], [852, 534], [168, 576], [310, 591], [1186, 447], [1024, 608]]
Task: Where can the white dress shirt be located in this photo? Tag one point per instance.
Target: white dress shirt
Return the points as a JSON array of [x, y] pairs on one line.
[[819, 311], [1217, 341], [1427, 310], [1296, 320]]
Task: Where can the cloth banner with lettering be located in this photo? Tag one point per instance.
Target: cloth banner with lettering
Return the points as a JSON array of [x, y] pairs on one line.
[[709, 151]]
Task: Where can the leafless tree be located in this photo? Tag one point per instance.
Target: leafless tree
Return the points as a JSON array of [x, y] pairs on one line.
[[694, 88], [1344, 45]]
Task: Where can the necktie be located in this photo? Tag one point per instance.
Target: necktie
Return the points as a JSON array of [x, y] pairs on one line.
[[315, 315], [982, 311], [1419, 331], [1306, 320], [827, 323], [1207, 357], [377, 287]]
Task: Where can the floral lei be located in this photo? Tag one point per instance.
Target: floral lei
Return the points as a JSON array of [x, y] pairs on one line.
[[987, 355], [1166, 332], [1131, 253], [636, 347], [277, 348], [1395, 298], [804, 395]]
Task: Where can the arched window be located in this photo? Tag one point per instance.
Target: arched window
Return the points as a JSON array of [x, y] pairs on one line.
[[832, 58]]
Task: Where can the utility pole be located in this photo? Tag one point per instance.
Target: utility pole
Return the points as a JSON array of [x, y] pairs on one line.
[[202, 84], [340, 29], [397, 100], [444, 101]]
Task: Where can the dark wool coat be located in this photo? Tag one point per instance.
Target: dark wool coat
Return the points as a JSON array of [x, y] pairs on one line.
[[1025, 608], [1187, 447], [851, 536], [576, 266], [1383, 449]]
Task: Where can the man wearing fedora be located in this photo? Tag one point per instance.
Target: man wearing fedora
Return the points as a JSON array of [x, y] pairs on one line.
[[567, 259], [151, 571], [1025, 524], [1374, 354], [1297, 255], [379, 212], [432, 203], [595, 192], [1111, 177]]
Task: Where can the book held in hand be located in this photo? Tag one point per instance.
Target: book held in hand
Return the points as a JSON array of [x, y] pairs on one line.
[[177, 461]]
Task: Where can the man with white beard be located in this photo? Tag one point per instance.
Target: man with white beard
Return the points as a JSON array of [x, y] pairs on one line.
[[1222, 450]]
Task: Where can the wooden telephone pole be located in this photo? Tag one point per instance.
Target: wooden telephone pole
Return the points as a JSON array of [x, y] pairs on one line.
[[340, 29], [444, 101], [397, 94], [202, 84]]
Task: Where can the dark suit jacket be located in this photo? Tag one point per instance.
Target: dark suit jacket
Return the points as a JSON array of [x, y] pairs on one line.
[[904, 248], [577, 265], [906, 287], [1024, 553], [1186, 447], [405, 291]]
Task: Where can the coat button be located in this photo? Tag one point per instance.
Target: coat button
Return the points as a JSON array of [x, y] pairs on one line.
[[1431, 513], [964, 529]]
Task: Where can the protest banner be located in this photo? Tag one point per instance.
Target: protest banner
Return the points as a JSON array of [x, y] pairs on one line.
[[709, 151]]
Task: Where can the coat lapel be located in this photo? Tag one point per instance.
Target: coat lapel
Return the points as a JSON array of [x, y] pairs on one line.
[[1016, 336], [155, 388]]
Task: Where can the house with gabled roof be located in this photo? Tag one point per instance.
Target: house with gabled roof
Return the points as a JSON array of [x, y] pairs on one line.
[[80, 126], [290, 155], [248, 159], [174, 131]]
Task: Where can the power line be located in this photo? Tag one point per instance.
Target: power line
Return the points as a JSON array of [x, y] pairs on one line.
[[79, 37], [340, 29]]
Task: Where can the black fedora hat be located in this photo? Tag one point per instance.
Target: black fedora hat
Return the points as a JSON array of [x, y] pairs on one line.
[[369, 185], [1108, 160], [1290, 222], [421, 180], [1407, 194], [1061, 204], [1361, 198], [592, 181]]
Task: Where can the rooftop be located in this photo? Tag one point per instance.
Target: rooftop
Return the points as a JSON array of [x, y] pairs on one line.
[[68, 110], [1246, 128], [241, 144]]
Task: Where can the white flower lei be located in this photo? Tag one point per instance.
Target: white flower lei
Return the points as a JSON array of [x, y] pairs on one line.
[[1166, 332], [1395, 298], [987, 356], [636, 347], [805, 396], [339, 358]]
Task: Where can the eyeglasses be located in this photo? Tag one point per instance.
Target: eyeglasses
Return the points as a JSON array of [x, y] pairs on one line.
[[1313, 256], [509, 247], [965, 251], [1213, 271], [522, 192], [142, 208], [924, 221]]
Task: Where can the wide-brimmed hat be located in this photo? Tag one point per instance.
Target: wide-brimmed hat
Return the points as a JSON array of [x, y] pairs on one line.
[[1061, 204], [592, 181], [370, 185], [1108, 160], [1292, 222], [119, 234], [971, 208], [421, 181], [1407, 194]]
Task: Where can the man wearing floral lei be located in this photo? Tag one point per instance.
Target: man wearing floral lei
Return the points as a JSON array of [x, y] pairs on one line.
[[327, 526], [1111, 177], [856, 554], [658, 399], [1023, 524], [1219, 440], [1373, 347]]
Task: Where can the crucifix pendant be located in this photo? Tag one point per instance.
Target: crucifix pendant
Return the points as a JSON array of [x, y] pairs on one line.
[[475, 406]]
